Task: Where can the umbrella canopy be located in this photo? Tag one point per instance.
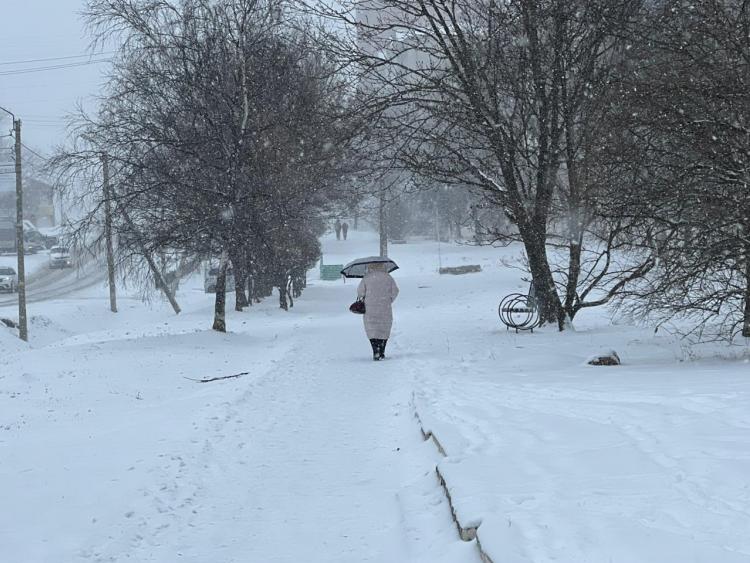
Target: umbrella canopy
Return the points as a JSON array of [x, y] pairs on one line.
[[358, 268]]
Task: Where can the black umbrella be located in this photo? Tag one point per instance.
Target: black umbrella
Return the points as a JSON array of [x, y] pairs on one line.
[[358, 268]]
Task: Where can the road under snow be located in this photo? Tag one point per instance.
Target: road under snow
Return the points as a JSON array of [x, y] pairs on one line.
[[44, 283]]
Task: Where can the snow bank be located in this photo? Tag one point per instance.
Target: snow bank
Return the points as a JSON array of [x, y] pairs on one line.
[[9, 341], [644, 464]]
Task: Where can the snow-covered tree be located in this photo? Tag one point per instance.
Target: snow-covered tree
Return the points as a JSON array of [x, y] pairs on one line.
[[686, 101], [223, 126], [507, 99]]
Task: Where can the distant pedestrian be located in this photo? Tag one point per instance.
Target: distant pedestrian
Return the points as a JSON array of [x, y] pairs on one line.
[[379, 291], [337, 228], [344, 229]]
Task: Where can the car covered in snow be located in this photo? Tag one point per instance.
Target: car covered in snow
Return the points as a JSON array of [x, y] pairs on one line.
[[8, 279], [33, 242], [59, 257]]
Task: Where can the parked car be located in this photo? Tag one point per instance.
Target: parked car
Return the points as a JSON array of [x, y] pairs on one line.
[[33, 242], [32, 247], [50, 241], [209, 279], [8, 279], [59, 257]]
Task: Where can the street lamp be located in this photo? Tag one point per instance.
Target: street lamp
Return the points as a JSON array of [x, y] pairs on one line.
[[22, 323]]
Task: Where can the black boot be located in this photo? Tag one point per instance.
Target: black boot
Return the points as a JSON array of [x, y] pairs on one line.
[[375, 348], [382, 348]]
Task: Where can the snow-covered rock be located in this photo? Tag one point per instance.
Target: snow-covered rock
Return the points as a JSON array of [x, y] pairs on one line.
[[606, 359]]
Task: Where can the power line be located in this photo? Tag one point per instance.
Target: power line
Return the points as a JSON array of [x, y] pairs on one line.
[[50, 59], [52, 67], [44, 121], [32, 151]]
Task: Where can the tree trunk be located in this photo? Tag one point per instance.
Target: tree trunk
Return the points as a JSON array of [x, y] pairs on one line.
[[290, 290], [252, 288], [108, 236], [550, 308], [746, 319], [240, 297], [574, 272], [283, 303], [240, 276], [220, 323], [383, 226], [158, 277]]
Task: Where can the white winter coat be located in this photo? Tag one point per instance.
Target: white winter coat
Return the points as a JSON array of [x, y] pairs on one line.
[[379, 291]]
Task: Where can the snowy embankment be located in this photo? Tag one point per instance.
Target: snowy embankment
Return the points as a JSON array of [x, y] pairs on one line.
[[109, 453], [566, 462], [550, 459]]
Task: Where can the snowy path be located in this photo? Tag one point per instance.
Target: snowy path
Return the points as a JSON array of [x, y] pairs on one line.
[[310, 459], [108, 453]]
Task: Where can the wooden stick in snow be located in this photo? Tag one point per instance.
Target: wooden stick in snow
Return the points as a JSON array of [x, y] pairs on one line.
[[218, 378]]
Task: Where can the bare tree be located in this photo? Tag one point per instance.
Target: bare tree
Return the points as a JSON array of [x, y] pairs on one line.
[[219, 119], [686, 102], [501, 97]]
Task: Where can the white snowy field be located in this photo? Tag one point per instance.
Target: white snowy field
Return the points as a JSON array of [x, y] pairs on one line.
[[108, 452]]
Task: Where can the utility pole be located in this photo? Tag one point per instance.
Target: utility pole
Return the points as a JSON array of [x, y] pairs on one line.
[[23, 330], [108, 234]]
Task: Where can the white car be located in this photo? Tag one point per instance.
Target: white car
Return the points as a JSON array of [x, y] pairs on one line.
[[59, 257], [8, 279]]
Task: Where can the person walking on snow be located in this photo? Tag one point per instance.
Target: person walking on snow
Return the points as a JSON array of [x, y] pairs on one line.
[[337, 228], [344, 229], [379, 291]]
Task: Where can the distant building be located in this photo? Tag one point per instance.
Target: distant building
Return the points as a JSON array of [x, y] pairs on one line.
[[38, 205], [37, 195], [7, 166]]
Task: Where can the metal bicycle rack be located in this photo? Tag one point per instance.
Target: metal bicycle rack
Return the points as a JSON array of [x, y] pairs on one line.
[[519, 311]]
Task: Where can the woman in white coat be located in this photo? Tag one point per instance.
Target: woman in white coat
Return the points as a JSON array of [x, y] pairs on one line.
[[379, 291]]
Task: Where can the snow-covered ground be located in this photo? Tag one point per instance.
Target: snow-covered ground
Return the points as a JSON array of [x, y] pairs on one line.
[[110, 451]]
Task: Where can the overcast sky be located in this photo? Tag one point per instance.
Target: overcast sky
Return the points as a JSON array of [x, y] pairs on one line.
[[44, 29]]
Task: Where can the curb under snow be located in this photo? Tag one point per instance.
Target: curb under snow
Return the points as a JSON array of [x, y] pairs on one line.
[[466, 533]]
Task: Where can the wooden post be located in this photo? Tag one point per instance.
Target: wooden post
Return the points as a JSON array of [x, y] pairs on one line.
[[23, 330]]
